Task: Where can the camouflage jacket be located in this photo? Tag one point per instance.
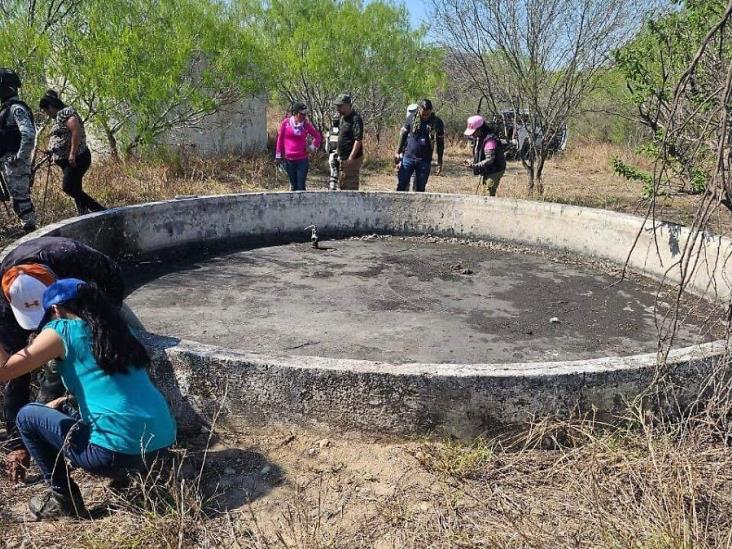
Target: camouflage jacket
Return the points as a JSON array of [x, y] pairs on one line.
[[21, 118]]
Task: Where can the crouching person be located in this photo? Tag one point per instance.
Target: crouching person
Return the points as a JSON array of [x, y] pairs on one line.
[[125, 422]]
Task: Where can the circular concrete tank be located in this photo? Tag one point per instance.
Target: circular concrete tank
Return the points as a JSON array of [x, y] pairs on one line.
[[464, 314]]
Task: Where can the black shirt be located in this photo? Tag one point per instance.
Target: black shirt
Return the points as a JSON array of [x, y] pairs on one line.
[[350, 130], [420, 144], [67, 258]]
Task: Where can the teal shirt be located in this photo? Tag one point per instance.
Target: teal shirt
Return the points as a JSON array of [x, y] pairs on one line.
[[126, 412]]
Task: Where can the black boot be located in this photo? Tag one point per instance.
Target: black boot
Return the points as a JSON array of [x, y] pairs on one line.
[[53, 504]]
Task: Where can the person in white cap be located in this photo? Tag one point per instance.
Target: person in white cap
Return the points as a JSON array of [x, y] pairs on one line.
[[25, 273], [489, 160], [411, 111], [124, 424]]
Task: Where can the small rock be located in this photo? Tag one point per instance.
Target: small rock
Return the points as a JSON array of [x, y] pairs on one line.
[[554, 320], [324, 443], [312, 452], [229, 471], [466, 272], [374, 402], [424, 506], [420, 456]]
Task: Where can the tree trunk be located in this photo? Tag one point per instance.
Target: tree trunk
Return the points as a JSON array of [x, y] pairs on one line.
[[540, 175], [530, 175], [112, 142]]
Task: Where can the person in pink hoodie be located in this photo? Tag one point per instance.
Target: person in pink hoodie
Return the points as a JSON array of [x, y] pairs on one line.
[[293, 148]]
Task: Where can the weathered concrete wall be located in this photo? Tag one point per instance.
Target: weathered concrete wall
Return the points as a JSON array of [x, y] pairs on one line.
[[411, 398], [235, 129]]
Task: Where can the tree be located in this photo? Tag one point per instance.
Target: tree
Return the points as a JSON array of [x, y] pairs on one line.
[[138, 68], [679, 71], [322, 48], [540, 58], [675, 85], [27, 29]]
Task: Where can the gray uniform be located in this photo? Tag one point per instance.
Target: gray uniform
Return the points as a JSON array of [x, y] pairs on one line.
[[17, 167]]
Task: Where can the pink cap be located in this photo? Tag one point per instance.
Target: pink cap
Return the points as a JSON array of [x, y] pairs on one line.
[[474, 122]]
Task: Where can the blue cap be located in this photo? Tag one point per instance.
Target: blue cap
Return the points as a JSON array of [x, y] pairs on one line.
[[61, 291]]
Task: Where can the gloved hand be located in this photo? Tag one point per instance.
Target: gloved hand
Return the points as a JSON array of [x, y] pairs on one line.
[[16, 464]]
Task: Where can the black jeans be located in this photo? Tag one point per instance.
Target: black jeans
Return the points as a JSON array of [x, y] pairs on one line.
[[72, 183]]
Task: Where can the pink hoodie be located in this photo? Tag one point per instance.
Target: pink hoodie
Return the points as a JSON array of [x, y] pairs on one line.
[[292, 139]]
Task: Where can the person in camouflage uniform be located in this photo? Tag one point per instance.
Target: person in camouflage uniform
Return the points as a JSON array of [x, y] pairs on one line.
[[17, 140]]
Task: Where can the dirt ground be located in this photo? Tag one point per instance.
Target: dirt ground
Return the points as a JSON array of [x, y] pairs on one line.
[[291, 488], [643, 483]]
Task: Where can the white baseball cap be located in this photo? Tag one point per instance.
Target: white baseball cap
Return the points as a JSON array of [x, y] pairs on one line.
[[23, 287]]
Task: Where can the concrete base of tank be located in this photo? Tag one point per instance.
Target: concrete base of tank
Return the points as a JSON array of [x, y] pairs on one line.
[[408, 398]]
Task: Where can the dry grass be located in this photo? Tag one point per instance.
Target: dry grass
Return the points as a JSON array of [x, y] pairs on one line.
[[643, 483]]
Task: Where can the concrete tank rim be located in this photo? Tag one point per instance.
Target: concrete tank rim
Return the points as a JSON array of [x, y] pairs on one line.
[[509, 370], [704, 351]]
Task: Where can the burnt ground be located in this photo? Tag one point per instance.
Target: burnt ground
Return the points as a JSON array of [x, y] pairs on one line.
[[410, 299]]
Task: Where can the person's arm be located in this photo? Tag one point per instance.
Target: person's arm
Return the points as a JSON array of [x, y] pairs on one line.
[[27, 132], [440, 138], [357, 137], [74, 126], [403, 134], [47, 346], [490, 154], [4, 355], [317, 136], [280, 146]]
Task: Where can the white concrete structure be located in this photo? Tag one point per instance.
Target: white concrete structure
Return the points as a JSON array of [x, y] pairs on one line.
[[235, 129], [456, 399]]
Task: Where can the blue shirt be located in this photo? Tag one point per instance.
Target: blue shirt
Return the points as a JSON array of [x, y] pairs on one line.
[[126, 412]]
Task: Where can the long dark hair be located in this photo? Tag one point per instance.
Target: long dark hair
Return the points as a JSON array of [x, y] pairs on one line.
[[115, 349], [51, 99]]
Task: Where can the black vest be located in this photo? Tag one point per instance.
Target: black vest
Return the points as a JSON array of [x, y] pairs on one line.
[[10, 133], [499, 162]]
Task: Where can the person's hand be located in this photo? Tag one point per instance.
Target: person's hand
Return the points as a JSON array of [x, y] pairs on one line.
[[16, 464], [72, 160], [468, 163], [347, 163], [57, 403], [312, 148], [438, 170]]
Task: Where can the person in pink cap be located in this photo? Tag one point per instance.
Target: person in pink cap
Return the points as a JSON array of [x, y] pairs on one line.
[[292, 147], [489, 160]]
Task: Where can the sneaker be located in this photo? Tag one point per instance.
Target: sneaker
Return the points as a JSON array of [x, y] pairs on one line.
[[54, 505]]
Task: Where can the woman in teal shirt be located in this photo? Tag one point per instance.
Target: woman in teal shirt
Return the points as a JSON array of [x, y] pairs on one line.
[[125, 421]]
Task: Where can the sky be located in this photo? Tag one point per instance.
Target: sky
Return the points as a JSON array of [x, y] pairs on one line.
[[417, 11]]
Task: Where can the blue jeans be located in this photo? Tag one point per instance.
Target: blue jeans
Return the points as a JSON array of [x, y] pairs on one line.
[[413, 165], [297, 171], [50, 436]]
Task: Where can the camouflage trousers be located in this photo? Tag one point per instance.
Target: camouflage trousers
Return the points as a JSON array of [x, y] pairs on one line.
[[17, 174], [489, 183]]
